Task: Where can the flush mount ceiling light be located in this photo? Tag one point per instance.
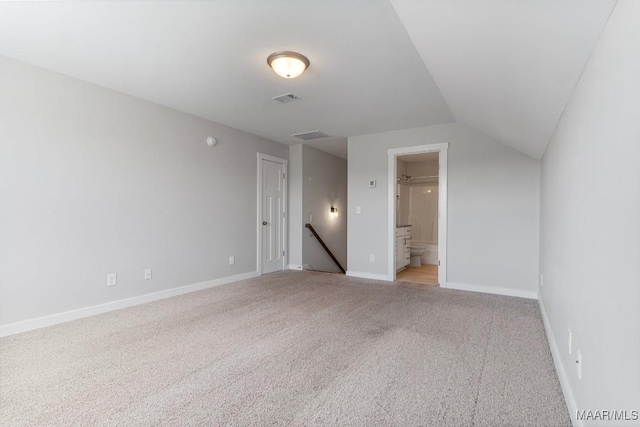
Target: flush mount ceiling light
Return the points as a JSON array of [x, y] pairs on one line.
[[288, 64]]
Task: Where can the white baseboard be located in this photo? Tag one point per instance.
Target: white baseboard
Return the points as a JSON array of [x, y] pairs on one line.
[[66, 316], [490, 290], [562, 374], [298, 267], [371, 276]]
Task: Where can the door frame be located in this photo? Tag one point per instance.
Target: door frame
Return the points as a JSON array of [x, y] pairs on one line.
[[393, 154], [285, 205]]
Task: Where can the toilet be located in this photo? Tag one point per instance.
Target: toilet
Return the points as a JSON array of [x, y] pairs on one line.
[[416, 252]]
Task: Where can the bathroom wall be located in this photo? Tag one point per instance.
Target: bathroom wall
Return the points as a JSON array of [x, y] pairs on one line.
[[423, 213], [402, 210], [427, 168], [419, 201], [404, 204], [402, 168]]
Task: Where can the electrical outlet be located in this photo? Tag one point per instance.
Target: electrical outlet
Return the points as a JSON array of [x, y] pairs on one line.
[[232, 260], [569, 339], [112, 279], [358, 210], [310, 217], [372, 258], [147, 274], [579, 364], [541, 280]]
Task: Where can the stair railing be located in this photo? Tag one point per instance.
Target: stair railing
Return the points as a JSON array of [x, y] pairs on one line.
[[310, 227]]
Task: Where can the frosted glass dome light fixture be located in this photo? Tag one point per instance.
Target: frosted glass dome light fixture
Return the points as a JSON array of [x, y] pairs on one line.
[[288, 64]]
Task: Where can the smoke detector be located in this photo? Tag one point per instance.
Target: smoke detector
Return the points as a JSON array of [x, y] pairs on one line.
[[287, 97], [307, 136]]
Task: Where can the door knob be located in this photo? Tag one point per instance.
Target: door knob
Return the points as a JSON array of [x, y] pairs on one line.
[[264, 222]]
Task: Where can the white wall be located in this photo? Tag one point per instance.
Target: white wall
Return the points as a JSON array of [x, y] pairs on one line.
[[323, 179], [590, 224], [493, 207], [94, 182]]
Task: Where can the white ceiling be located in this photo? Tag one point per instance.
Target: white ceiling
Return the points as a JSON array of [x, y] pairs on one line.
[[209, 59], [504, 67]]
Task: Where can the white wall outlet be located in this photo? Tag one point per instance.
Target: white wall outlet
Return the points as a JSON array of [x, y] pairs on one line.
[[372, 258], [232, 260], [148, 274], [358, 210], [112, 279], [569, 339], [579, 365], [541, 280]]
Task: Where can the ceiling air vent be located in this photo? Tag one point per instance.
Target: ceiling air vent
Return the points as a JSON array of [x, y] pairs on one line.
[[307, 136], [287, 97]]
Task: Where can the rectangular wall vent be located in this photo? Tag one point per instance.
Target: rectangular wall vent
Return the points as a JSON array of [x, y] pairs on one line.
[[287, 97], [307, 136]]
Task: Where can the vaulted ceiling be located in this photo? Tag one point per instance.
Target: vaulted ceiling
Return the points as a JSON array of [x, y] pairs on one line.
[[504, 67]]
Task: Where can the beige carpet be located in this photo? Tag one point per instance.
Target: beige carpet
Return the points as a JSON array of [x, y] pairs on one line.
[[291, 348]]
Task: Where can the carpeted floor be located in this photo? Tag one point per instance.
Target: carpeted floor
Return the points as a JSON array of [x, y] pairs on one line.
[[290, 348]]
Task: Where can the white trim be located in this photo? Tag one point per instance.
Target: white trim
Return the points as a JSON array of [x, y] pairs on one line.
[[298, 267], [285, 220], [562, 373], [66, 316], [490, 290], [393, 153], [371, 276]]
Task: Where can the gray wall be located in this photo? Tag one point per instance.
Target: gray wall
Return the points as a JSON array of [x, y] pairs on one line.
[[321, 183], [590, 223], [325, 184], [493, 206], [296, 220], [93, 182]]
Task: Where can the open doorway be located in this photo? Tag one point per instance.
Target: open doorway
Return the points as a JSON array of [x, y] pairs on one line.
[[419, 214]]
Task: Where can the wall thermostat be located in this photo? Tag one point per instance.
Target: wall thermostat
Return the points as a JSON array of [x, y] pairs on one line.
[[211, 141], [372, 183]]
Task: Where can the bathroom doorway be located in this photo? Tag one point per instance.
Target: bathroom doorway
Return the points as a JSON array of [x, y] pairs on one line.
[[419, 226]]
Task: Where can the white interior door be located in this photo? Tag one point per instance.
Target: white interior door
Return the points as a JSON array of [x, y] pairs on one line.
[[272, 215]]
